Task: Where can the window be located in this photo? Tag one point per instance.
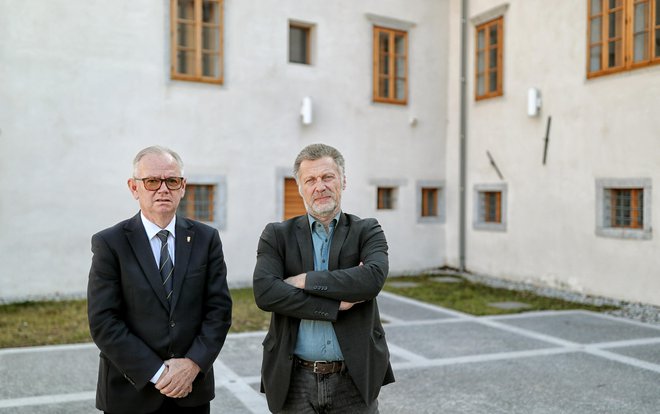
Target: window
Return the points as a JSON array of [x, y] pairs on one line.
[[488, 59], [205, 200], [299, 43], [624, 207], [385, 198], [198, 202], [293, 202], [390, 65], [196, 28], [622, 35], [490, 208], [430, 201]]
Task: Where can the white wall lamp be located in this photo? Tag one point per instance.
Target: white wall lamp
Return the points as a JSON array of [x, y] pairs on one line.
[[533, 102], [306, 110]]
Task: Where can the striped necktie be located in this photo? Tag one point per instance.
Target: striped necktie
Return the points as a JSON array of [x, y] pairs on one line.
[[166, 267]]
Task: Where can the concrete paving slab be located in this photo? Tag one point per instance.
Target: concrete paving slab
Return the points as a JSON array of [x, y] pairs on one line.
[[460, 338], [74, 367], [574, 383], [242, 354], [394, 310], [444, 362], [447, 279], [649, 353], [510, 305], [82, 407], [583, 327]]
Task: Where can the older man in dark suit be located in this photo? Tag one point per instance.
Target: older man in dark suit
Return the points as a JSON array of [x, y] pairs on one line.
[[158, 303], [319, 275]]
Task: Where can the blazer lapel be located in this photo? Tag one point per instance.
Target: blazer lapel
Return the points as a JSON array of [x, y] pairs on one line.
[[304, 237], [137, 238], [341, 231], [183, 246]]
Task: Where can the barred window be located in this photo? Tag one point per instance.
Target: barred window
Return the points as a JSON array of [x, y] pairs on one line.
[[490, 207], [385, 200], [429, 202], [625, 207], [198, 203]]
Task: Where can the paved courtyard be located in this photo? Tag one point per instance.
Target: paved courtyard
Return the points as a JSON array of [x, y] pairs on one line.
[[444, 361]]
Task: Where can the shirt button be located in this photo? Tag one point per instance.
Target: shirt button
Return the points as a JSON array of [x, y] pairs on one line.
[[172, 324]]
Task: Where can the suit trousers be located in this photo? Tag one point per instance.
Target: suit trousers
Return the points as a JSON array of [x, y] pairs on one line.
[[325, 394], [169, 407]]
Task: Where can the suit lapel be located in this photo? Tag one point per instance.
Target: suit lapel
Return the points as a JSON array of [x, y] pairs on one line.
[[137, 238], [183, 246], [304, 237], [341, 231]]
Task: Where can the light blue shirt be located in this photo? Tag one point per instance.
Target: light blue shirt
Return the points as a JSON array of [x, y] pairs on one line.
[[317, 340]]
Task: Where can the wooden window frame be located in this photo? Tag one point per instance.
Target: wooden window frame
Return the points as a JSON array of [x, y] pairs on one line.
[[626, 36], [430, 209], [307, 29], [385, 198], [391, 75], [198, 25], [499, 68], [188, 207]]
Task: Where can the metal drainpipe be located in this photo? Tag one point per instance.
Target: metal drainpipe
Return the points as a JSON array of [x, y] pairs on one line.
[[463, 138]]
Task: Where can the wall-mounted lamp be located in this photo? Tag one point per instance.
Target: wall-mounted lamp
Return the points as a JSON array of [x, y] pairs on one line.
[[306, 110], [533, 102]]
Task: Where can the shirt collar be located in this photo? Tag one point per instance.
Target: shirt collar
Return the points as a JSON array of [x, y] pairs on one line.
[[152, 229], [312, 220]]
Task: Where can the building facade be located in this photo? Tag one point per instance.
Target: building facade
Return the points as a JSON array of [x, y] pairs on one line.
[[559, 190], [528, 152], [86, 85]]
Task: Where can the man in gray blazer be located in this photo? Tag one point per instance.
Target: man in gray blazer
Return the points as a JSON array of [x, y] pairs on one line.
[[158, 303], [319, 275]]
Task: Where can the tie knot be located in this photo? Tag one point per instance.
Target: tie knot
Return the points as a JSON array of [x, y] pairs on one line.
[[162, 235]]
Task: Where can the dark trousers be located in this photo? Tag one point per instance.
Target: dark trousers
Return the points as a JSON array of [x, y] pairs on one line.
[[325, 394], [170, 407]]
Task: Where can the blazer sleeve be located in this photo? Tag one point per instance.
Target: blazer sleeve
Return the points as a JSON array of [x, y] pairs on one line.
[[272, 294], [132, 357], [363, 280]]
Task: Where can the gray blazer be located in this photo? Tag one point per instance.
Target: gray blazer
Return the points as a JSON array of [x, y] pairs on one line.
[[358, 267]]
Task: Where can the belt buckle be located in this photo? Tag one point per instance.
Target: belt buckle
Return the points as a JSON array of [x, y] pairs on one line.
[[315, 370]]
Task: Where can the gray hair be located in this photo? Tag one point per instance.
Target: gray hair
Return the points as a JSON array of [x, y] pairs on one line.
[[157, 150], [314, 152]]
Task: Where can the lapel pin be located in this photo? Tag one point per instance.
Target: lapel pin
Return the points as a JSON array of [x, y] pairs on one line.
[[188, 239]]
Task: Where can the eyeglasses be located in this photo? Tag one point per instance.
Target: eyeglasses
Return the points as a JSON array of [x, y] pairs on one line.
[[154, 183]]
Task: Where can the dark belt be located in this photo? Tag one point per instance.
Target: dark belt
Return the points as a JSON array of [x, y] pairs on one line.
[[321, 367]]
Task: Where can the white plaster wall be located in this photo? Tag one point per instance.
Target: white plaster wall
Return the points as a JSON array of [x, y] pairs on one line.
[[601, 128], [86, 85]]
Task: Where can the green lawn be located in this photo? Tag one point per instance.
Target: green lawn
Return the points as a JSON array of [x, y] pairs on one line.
[[61, 322]]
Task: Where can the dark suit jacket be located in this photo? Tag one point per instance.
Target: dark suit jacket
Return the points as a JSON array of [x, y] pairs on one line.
[[134, 326], [286, 249]]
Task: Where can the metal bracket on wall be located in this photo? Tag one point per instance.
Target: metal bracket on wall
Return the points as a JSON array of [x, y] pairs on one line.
[[492, 162], [547, 138]]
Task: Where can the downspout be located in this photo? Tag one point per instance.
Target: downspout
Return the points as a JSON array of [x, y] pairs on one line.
[[463, 139]]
